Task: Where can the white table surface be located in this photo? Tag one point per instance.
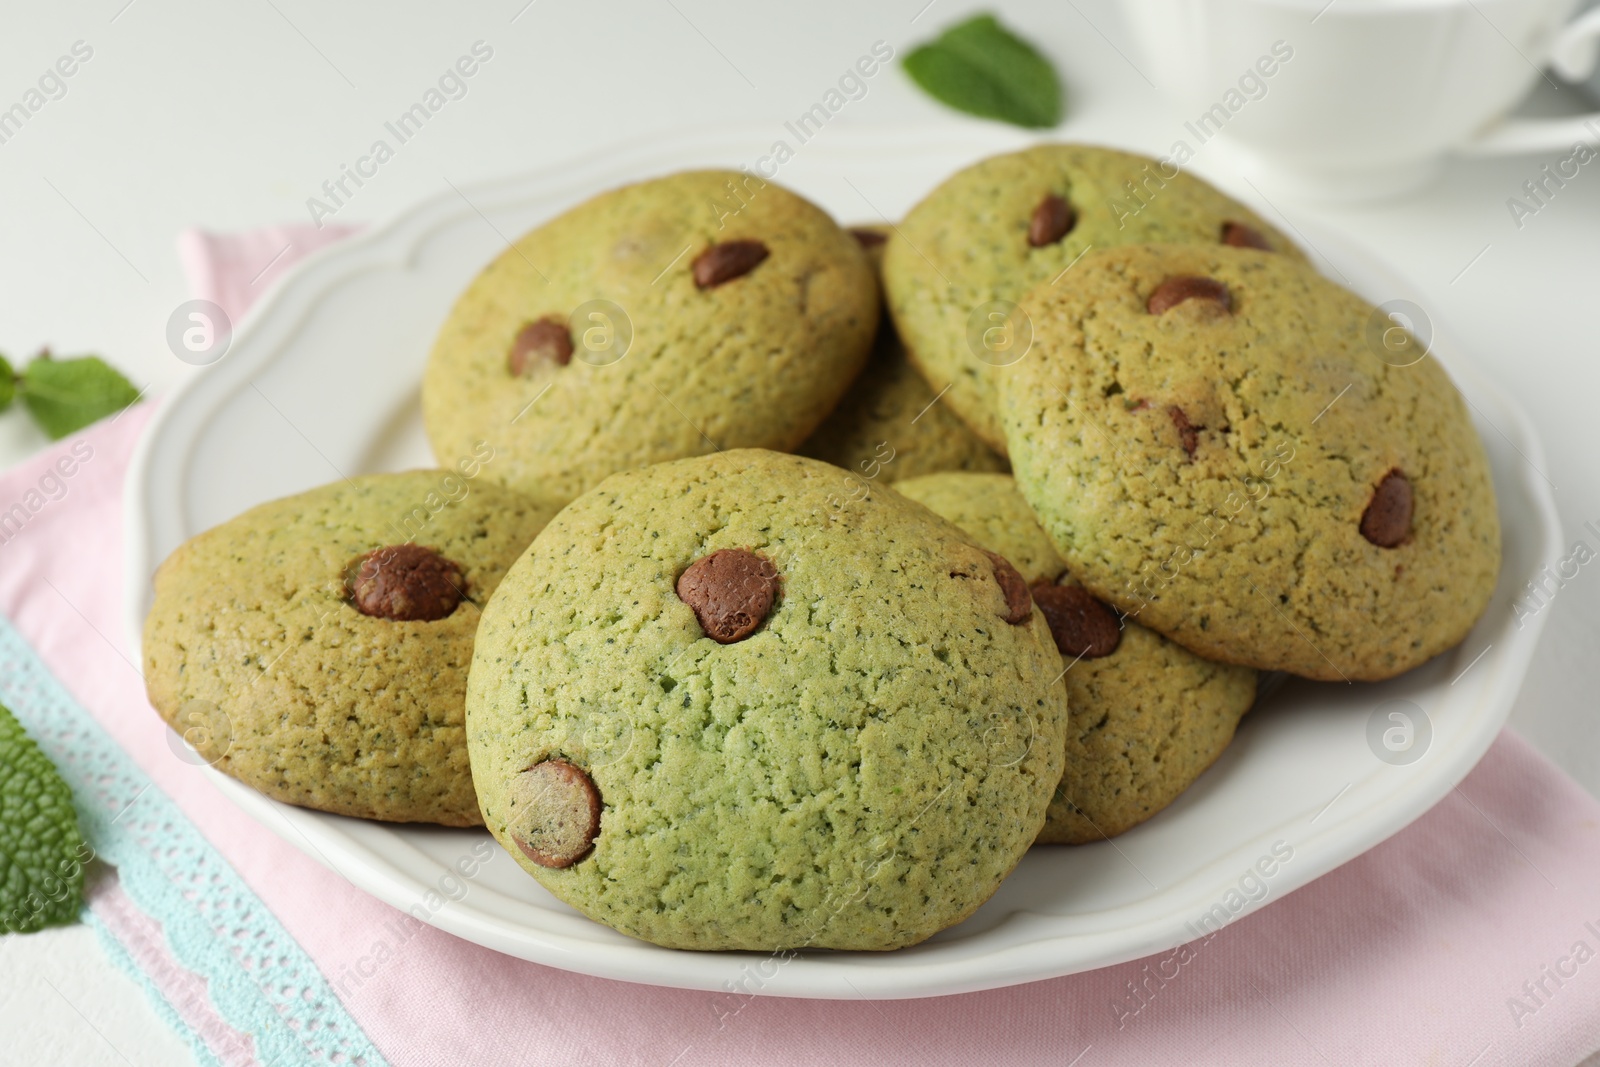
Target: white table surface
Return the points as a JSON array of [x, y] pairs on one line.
[[231, 115]]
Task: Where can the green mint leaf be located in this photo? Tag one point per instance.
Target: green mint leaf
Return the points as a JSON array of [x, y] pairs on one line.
[[8, 383], [65, 395], [41, 851], [984, 69]]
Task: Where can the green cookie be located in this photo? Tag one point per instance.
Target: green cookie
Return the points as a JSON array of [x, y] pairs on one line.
[[671, 318], [256, 653], [890, 424], [1148, 717], [992, 512], [751, 701], [1221, 445], [955, 269]]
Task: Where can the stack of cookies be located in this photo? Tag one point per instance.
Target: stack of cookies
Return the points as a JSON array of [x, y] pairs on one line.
[[819, 573]]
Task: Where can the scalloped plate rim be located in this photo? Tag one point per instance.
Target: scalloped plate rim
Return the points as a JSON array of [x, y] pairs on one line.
[[962, 964]]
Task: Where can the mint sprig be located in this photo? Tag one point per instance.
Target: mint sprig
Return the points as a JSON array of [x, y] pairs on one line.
[[42, 852], [65, 395], [980, 67]]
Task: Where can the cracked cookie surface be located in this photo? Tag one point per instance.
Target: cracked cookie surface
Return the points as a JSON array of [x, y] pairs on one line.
[[1147, 719], [859, 766], [972, 241], [1213, 470], [674, 317], [255, 652]]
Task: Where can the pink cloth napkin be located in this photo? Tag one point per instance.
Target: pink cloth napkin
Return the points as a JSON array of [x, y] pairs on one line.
[[1471, 938]]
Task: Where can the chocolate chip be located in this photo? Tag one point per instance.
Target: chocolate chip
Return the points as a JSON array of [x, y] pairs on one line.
[[1083, 627], [1188, 432], [1239, 235], [731, 592], [555, 813], [1174, 291], [727, 261], [546, 340], [869, 238], [1387, 520], [1052, 220], [406, 583], [1019, 603]]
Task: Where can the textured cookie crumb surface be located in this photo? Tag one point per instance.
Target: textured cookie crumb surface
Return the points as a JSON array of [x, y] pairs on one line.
[[693, 312], [255, 653], [1247, 531], [1147, 718], [860, 771], [892, 424], [990, 232]]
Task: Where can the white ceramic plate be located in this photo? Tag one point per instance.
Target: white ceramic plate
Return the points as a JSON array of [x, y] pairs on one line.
[[322, 381]]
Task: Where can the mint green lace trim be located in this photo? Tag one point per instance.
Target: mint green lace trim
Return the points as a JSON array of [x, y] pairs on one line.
[[119, 956], [259, 979]]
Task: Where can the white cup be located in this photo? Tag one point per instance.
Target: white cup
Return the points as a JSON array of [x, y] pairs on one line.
[[1358, 99]]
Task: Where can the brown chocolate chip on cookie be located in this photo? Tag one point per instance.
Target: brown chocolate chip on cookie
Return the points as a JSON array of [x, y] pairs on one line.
[[1239, 235], [727, 261], [1387, 520], [556, 813], [545, 341], [1052, 220], [406, 583], [1019, 603], [1082, 626], [869, 238], [731, 592], [1174, 291], [1188, 432]]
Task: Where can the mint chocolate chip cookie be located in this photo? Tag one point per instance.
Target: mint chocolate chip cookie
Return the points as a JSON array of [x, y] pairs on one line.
[[651, 323], [1222, 446], [956, 267], [748, 701], [316, 647], [1148, 716]]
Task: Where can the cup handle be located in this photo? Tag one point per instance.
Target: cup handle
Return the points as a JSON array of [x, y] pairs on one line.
[[1574, 56]]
